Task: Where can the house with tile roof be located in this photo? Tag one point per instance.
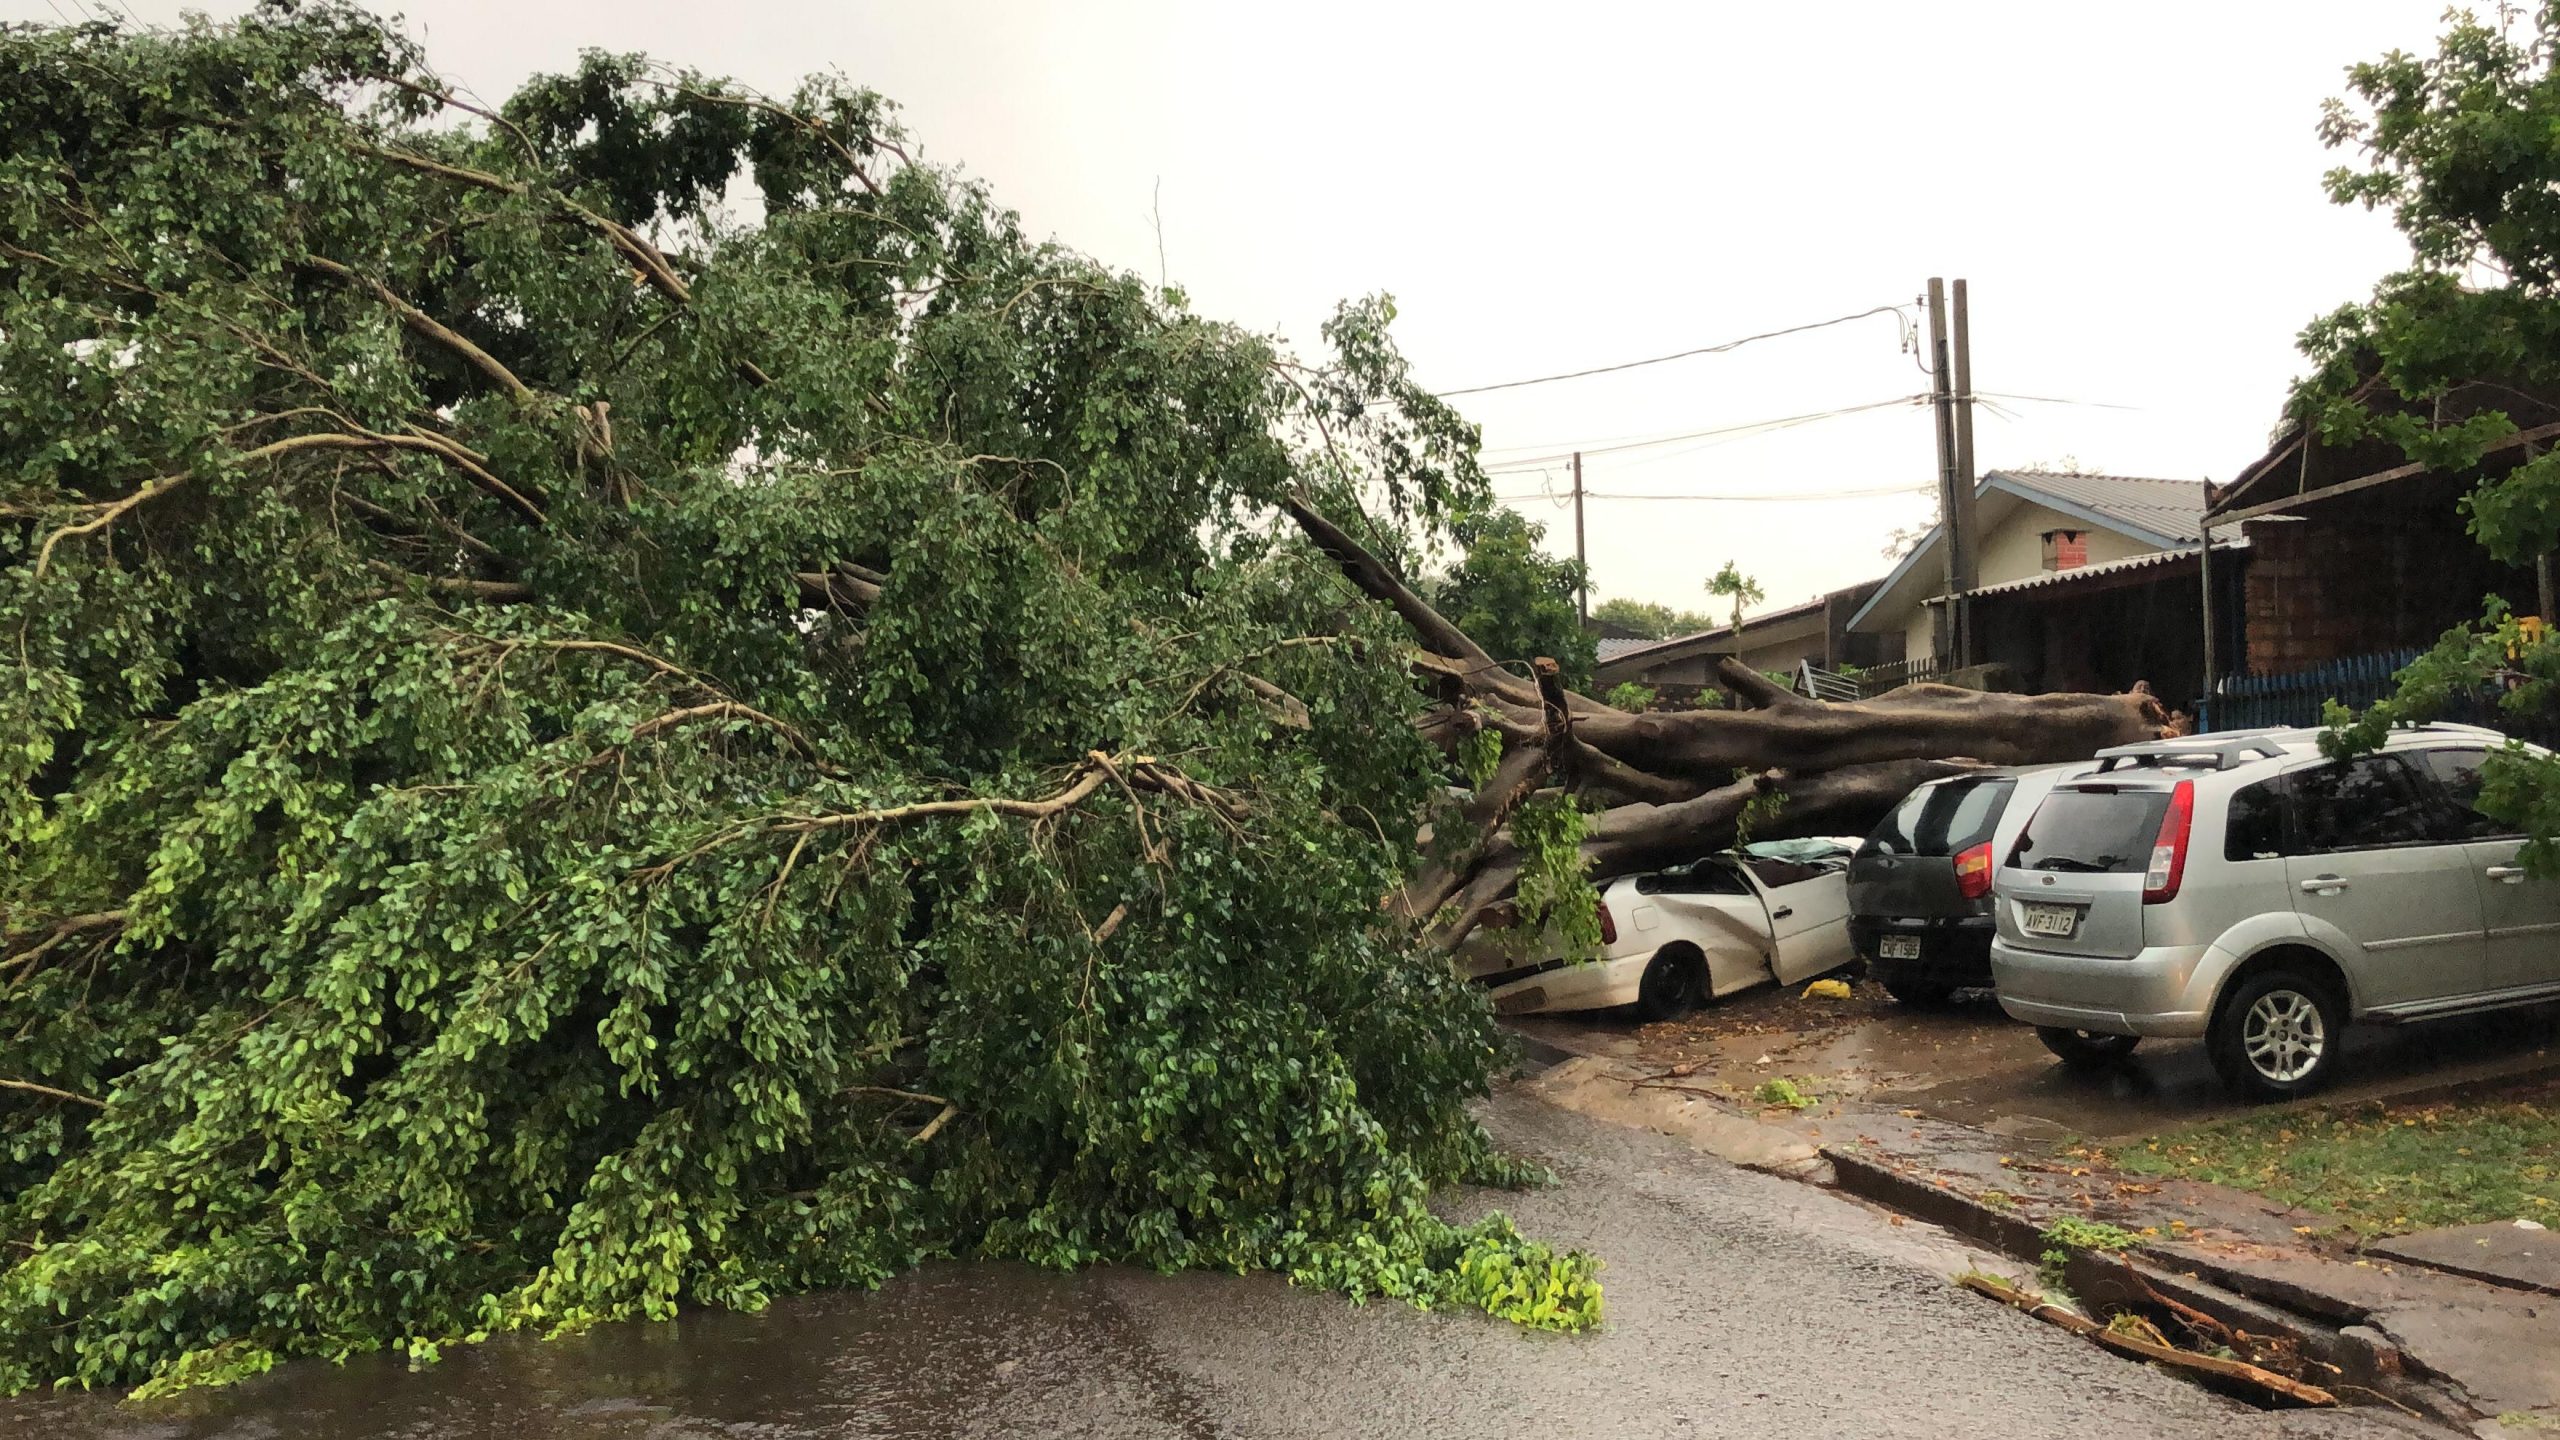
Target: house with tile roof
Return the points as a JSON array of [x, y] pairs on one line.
[[2085, 582]]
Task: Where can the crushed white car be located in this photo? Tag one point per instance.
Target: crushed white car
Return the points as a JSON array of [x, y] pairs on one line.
[[1673, 939]]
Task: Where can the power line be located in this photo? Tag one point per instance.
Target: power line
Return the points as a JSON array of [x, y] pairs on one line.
[[2055, 400], [1870, 493], [1534, 461], [1718, 349]]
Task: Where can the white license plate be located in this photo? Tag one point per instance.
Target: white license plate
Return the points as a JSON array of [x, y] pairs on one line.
[[2050, 919], [1898, 947]]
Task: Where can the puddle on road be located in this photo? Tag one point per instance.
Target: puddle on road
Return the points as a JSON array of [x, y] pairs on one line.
[[950, 1350]]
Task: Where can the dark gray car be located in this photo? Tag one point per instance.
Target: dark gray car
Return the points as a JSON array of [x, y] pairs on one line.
[[1920, 887]]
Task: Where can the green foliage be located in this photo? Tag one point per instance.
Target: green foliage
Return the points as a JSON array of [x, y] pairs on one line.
[[1740, 588], [550, 772], [2071, 1232], [2457, 146], [1513, 598], [1654, 622], [1763, 807], [2493, 658], [2068, 1233], [1628, 695], [1554, 898], [1780, 1091]]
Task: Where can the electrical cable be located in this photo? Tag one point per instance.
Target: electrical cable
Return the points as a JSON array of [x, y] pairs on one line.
[[1895, 311], [1782, 421]]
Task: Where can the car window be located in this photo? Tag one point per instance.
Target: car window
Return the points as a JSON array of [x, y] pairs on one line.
[[2457, 771], [2369, 803], [2094, 831], [2254, 829], [1775, 873], [1944, 818], [1711, 876]]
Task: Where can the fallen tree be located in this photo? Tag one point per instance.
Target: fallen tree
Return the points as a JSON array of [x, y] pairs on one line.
[[1683, 782], [565, 754]]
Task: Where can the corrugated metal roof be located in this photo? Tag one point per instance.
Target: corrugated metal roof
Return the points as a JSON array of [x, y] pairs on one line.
[[2084, 572], [2170, 508], [1613, 646]]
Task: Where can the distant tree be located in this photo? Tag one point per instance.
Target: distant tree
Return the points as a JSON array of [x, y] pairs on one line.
[[1743, 589], [1514, 598], [1654, 622]]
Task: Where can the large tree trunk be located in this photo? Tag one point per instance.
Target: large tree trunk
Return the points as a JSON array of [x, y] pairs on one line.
[[1681, 781]]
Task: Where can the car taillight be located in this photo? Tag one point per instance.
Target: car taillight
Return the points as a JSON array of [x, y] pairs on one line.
[[2169, 850], [1608, 925], [1973, 872]]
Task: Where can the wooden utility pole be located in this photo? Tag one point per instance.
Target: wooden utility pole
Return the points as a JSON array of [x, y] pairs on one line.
[[1961, 524], [1582, 595], [1950, 540]]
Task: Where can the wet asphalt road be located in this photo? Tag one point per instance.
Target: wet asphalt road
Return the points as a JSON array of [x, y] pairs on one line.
[[1739, 1305]]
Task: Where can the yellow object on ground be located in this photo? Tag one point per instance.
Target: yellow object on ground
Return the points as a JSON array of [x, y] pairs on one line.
[[1828, 989]]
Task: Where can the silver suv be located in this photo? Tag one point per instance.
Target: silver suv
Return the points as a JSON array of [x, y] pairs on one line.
[[2243, 888]]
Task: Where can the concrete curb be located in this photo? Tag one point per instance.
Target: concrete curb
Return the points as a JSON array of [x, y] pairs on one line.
[[2363, 1360], [1540, 1052]]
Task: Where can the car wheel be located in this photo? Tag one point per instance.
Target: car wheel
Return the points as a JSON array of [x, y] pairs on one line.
[[2275, 1035], [1914, 991], [1673, 985], [2086, 1049]]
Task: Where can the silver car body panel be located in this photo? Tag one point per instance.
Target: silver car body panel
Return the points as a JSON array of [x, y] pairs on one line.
[[2418, 930]]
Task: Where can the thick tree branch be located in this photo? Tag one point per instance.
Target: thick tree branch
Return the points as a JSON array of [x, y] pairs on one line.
[[494, 592], [1375, 580], [109, 512], [1759, 690], [1475, 824], [733, 710], [838, 589], [1449, 652], [434, 329], [1915, 723], [645, 257], [24, 961]]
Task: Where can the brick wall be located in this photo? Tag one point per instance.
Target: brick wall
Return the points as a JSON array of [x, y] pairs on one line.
[[2331, 586]]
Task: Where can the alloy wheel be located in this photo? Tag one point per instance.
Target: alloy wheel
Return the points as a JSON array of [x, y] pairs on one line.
[[2284, 1036]]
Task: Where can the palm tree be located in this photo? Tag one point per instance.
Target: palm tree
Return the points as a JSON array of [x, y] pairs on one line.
[[1745, 591]]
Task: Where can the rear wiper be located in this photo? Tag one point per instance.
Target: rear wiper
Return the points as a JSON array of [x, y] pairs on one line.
[[2072, 865]]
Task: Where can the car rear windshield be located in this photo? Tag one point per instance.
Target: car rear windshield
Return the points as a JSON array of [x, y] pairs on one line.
[[1944, 818], [2092, 832]]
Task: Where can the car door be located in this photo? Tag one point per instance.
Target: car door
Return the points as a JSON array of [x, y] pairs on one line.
[[2521, 912], [2374, 877], [1808, 916], [1709, 904]]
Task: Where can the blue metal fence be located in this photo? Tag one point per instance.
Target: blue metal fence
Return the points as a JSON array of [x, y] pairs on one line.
[[2252, 702]]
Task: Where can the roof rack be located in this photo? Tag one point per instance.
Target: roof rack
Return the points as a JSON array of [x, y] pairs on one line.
[[2193, 752]]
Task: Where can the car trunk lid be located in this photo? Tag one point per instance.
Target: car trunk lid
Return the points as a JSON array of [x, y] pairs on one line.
[[2073, 883], [1906, 870]]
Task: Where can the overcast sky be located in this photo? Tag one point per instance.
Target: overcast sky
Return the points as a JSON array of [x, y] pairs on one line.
[[2133, 192]]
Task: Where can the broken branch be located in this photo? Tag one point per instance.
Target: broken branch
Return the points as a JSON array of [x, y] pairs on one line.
[[2170, 1355]]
